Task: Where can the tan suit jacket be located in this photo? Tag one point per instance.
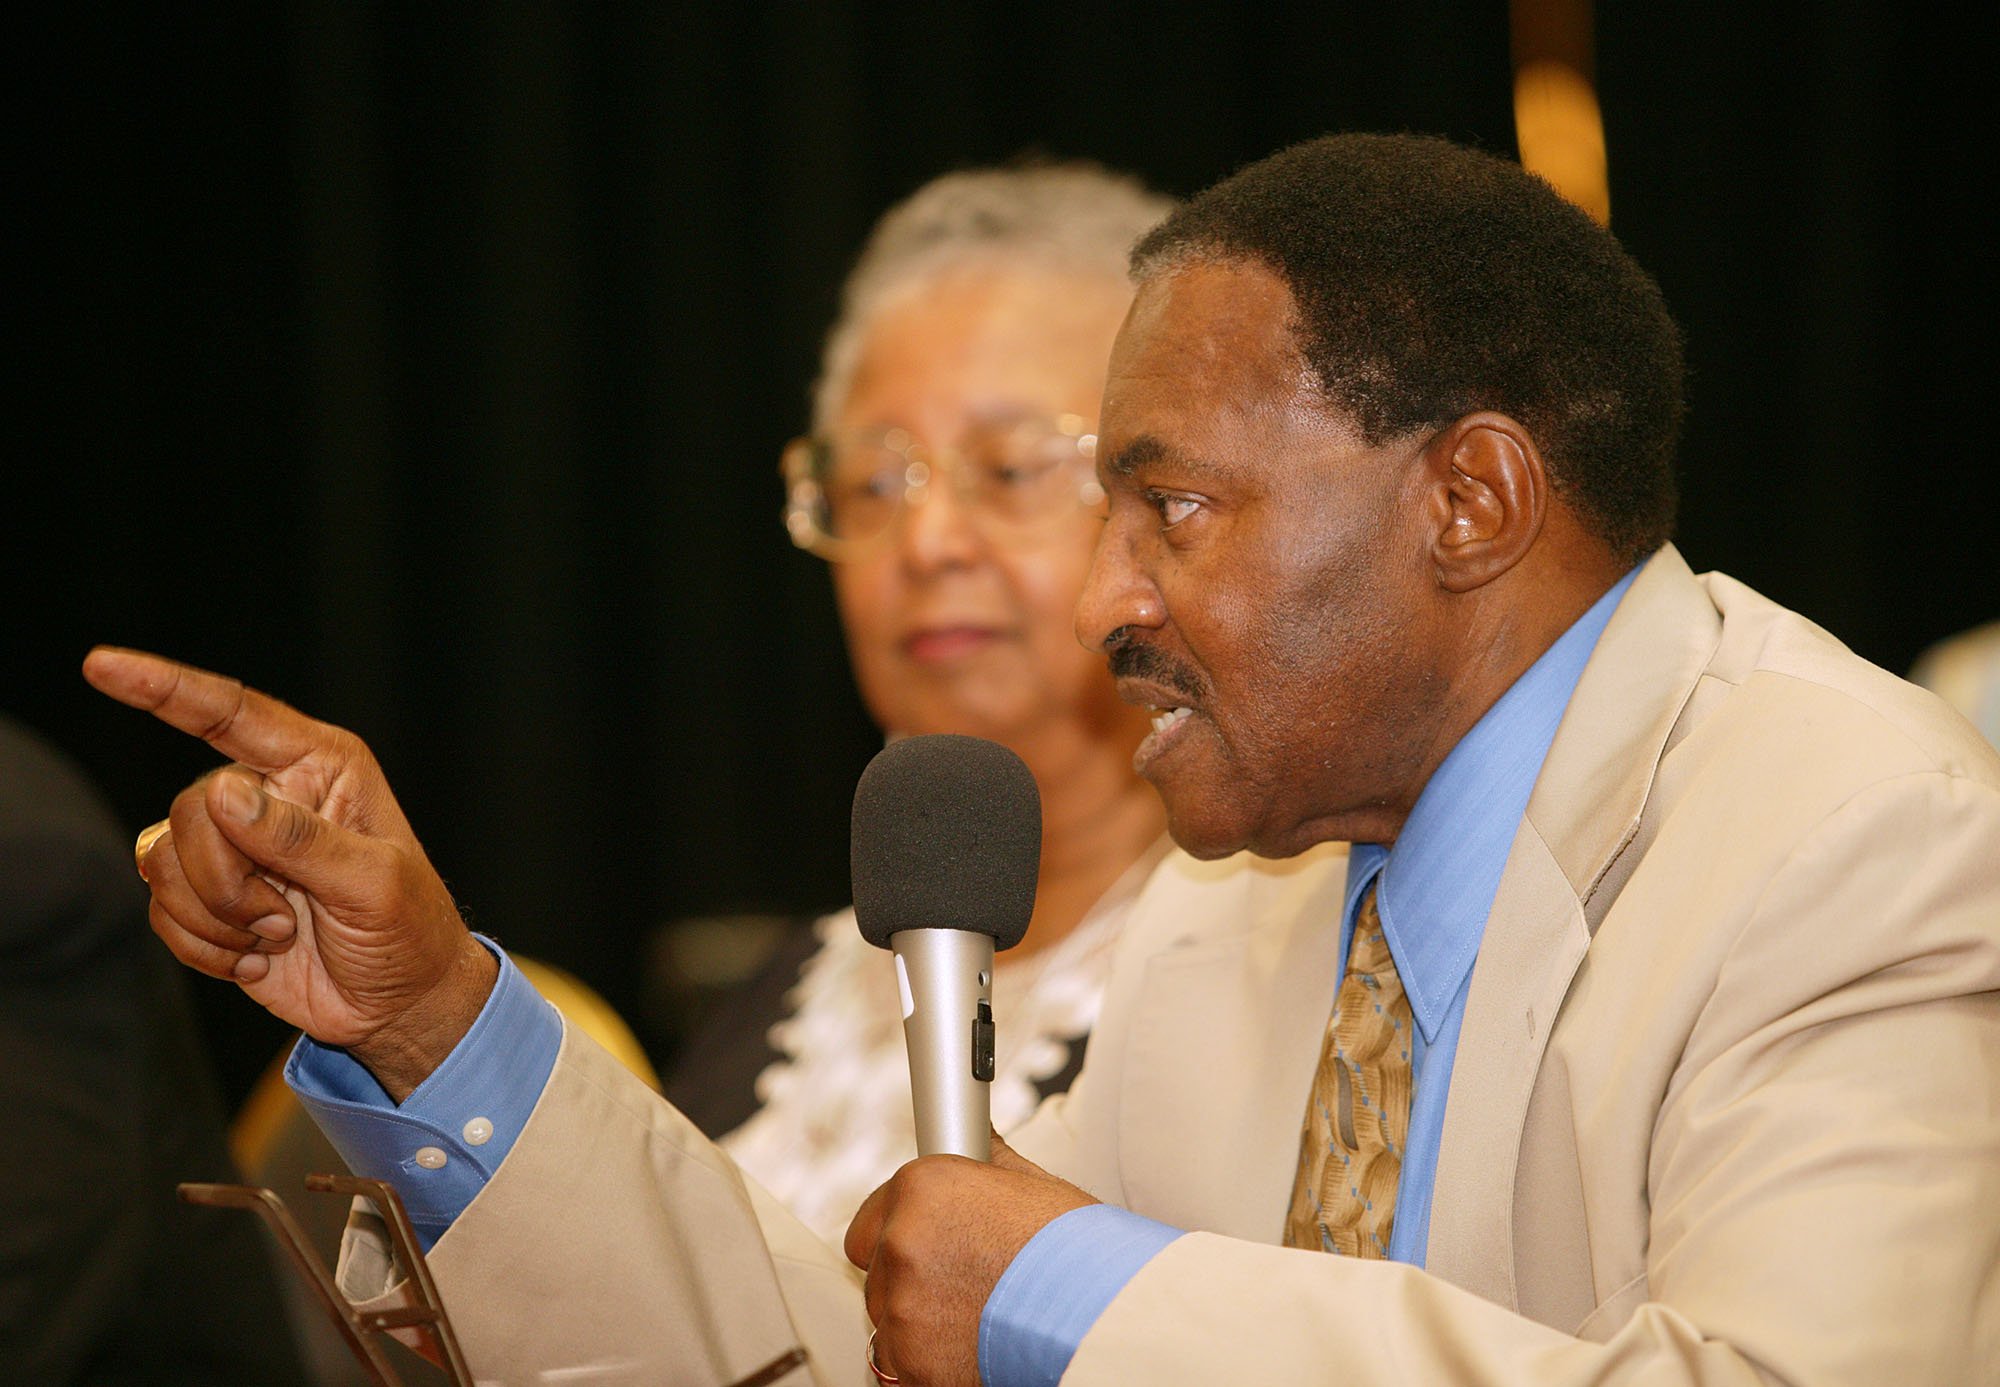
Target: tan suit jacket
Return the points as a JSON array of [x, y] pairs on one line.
[[1725, 1107]]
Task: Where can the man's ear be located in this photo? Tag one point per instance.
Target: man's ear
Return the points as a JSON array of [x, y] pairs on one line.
[[1489, 496]]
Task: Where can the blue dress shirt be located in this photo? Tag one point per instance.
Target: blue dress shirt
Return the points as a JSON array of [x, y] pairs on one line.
[[1437, 885], [440, 1146]]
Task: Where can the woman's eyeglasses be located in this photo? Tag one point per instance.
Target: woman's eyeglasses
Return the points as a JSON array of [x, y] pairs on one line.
[[843, 492]]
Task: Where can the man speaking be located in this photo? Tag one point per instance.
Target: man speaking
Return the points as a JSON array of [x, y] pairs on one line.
[[1607, 992]]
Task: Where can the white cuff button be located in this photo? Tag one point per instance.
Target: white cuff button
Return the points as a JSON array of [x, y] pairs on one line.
[[430, 1158], [478, 1132]]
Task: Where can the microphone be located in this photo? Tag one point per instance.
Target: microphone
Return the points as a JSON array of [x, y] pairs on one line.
[[946, 848]]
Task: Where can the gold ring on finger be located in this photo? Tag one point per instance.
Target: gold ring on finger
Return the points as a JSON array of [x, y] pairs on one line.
[[882, 1374], [148, 836]]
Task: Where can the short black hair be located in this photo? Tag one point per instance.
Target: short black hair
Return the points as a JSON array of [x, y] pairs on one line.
[[1432, 281]]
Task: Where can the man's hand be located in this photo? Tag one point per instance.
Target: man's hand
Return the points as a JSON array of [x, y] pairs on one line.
[[934, 1241], [295, 874]]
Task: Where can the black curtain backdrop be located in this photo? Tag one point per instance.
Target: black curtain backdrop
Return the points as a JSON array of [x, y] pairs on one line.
[[429, 367]]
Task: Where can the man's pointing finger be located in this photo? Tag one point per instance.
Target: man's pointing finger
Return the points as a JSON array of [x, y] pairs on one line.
[[236, 720]]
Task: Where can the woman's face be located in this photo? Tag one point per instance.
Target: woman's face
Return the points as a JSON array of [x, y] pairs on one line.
[[953, 626]]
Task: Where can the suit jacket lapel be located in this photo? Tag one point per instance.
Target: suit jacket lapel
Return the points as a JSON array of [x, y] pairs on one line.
[[1223, 1045], [1558, 882]]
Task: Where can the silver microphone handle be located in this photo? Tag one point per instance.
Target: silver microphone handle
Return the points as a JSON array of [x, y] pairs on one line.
[[946, 980]]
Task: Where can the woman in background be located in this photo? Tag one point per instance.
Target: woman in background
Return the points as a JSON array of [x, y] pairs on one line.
[[949, 482]]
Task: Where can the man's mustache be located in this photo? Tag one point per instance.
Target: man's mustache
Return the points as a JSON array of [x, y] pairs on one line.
[[1131, 659]]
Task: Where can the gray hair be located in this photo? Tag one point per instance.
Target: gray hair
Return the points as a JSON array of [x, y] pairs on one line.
[[1074, 216]]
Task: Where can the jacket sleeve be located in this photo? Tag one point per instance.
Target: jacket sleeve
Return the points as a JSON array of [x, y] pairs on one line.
[[617, 1244]]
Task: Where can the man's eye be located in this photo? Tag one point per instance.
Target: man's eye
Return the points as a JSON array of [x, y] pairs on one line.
[[1173, 509]]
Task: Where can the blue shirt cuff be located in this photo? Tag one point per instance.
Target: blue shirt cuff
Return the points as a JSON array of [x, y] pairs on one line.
[[1056, 1287], [440, 1146]]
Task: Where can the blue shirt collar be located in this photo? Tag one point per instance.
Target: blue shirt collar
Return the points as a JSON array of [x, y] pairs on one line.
[[1440, 876]]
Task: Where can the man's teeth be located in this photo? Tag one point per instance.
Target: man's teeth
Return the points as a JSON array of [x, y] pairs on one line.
[[1163, 720]]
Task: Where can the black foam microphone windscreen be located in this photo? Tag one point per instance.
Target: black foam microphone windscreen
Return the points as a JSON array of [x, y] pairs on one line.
[[947, 835]]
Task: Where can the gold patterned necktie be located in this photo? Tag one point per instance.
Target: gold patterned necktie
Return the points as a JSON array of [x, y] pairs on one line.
[[1351, 1147]]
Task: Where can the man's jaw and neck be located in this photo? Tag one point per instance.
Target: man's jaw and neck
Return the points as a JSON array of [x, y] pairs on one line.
[[1465, 651]]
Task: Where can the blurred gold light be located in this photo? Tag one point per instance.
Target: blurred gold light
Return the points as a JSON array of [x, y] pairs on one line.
[[1560, 132]]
